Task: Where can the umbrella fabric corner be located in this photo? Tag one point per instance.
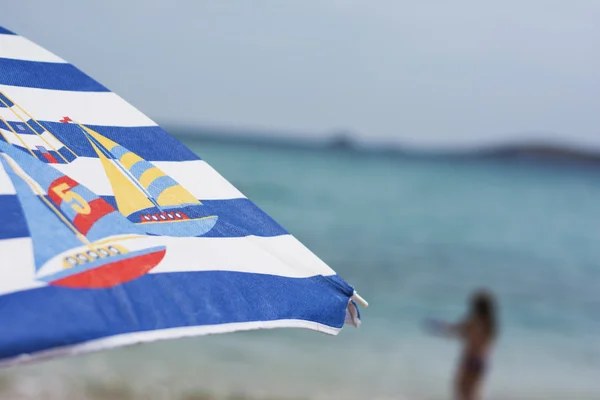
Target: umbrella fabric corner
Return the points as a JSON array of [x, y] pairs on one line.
[[114, 233]]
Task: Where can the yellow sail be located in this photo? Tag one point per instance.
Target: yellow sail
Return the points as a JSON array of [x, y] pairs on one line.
[[176, 195], [104, 141], [165, 191], [129, 198]]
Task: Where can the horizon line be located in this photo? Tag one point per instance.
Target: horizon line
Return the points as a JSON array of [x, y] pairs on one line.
[[343, 140]]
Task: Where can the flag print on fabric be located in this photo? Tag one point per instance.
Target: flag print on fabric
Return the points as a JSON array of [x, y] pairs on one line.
[[20, 129], [114, 233]]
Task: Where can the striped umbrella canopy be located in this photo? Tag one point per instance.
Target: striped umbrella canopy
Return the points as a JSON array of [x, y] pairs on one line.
[[112, 232]]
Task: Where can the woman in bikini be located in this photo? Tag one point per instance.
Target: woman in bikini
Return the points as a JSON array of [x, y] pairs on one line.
[[477, 332]]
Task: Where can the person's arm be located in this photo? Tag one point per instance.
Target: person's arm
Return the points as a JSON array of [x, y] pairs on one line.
[[446, 329]]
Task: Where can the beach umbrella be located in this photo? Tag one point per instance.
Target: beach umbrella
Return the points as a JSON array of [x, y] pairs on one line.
[[113, 233]]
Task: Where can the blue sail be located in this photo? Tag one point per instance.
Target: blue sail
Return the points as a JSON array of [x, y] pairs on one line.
[[50, 235], [43, 174]]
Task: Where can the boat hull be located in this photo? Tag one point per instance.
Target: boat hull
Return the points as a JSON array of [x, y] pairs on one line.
[[181, 228], [108, 272]]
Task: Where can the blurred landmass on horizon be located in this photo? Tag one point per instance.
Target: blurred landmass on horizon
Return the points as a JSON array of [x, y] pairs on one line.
[[522, 146]]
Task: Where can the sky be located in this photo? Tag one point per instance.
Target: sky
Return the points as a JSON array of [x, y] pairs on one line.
[[421, 72]]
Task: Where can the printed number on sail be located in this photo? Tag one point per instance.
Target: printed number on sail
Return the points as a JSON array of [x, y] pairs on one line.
[[76, 202]]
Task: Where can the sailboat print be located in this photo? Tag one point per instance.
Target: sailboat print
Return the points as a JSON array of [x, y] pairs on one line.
[[79, 240], [19, 128], [146, 195]]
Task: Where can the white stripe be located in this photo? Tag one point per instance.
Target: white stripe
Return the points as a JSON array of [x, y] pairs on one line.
[[127, 339], [196, 176], [32, 141], [280, 255], [6, 187], [12, 114], [20, 48], [90, 108], [16, 265], [200, 179]]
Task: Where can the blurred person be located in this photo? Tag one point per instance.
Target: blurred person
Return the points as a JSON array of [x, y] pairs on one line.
[[477, 332]]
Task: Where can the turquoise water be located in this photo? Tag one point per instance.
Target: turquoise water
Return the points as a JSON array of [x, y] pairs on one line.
[[415, 237]]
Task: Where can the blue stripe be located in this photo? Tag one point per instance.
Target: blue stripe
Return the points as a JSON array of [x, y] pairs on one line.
[[15, 126], [66, 154], [46, 75], [48, 317], [29, 123], [237, 218], [4, 102], [149, 142], [160, 184], [13, 220], [5, 31], [139, 168], [57, 156], [35, 128], [118, 152]]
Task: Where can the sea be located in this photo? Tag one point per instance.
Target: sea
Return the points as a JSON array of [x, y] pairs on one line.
[[415, 235]]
